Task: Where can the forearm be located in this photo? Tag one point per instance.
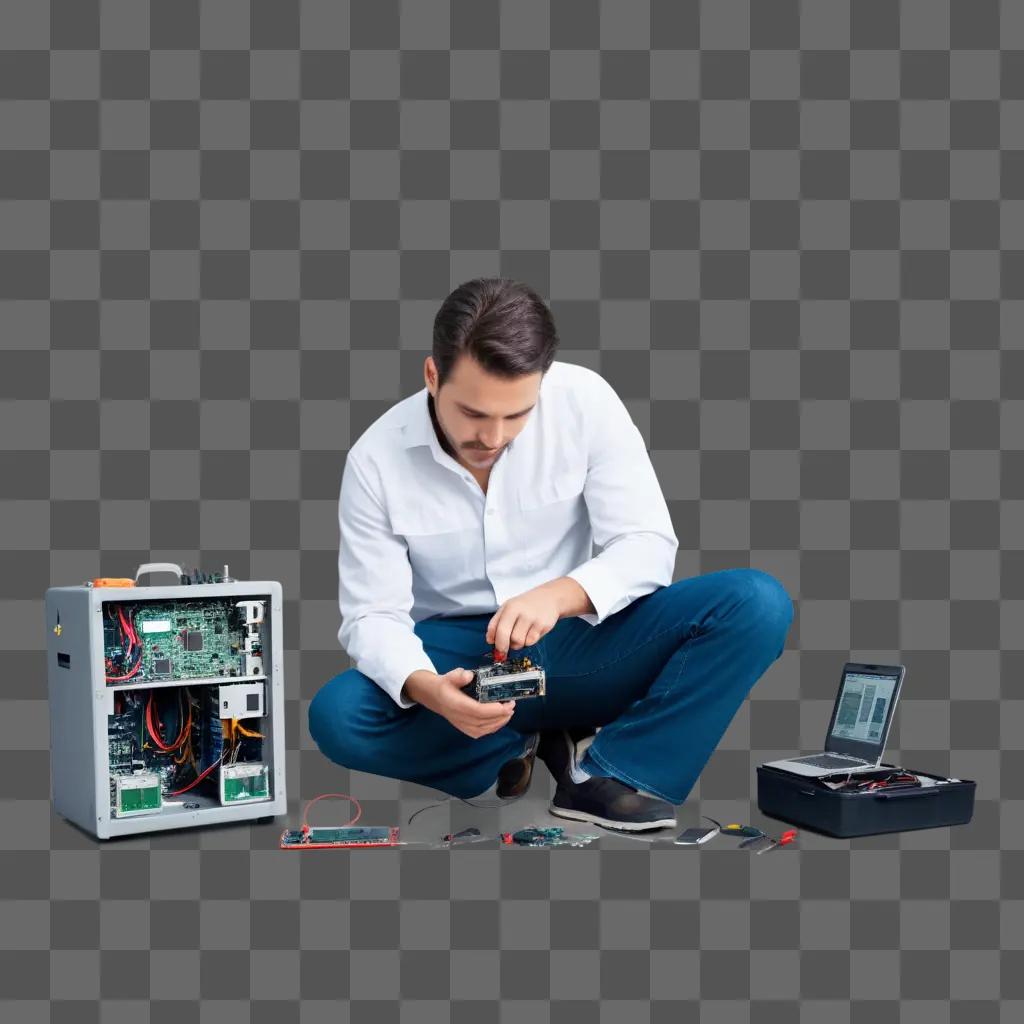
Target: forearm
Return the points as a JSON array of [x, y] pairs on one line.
[[631, 567], [421, 687], [384, 647], [570, 597]]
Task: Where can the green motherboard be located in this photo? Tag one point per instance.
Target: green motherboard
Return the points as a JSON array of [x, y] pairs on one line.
[[178, 640]]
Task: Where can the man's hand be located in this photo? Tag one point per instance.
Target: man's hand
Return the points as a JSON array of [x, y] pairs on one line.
[[443, 695], [522, 620]]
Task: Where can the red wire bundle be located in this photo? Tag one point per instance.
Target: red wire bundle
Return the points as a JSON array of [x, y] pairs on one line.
[[133, 641], [151, 726]]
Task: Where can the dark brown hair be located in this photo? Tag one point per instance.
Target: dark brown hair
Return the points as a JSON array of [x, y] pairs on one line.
[[503, 324]]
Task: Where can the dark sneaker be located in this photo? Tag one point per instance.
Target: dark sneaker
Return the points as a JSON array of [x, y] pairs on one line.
[[557, 749], [516, 774], [610, 803]]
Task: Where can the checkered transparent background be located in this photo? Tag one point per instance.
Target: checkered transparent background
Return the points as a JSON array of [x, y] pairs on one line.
[[790, 234]]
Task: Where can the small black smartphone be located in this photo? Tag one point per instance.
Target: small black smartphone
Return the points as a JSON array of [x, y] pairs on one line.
[[695, 836]]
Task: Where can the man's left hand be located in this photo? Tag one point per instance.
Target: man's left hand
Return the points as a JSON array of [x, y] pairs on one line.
[[522, 620]]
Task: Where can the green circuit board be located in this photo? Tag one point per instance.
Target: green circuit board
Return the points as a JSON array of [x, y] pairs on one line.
[[178, 639], [346, 836]]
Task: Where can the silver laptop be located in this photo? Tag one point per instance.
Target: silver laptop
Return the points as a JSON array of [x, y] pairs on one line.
[[855, 740]]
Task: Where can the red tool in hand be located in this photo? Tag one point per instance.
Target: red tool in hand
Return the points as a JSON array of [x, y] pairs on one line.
[[499, 656]]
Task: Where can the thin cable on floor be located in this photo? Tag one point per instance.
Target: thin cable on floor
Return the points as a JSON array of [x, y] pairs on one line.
[[486, 807], [427, 808]]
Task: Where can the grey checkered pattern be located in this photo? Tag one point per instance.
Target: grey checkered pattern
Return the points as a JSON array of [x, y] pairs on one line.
[[792, 237]]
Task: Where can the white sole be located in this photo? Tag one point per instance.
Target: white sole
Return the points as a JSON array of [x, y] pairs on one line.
[[615, 826]]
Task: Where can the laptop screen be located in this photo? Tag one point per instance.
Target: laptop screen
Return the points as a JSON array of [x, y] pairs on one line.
[[863, 707], [864, 710]]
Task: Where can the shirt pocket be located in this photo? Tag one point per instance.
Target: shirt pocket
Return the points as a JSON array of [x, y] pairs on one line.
[[438, 548], [548, 514], [549, 491]]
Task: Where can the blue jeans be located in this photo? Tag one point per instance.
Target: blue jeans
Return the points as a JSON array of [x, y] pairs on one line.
[[664, 677]]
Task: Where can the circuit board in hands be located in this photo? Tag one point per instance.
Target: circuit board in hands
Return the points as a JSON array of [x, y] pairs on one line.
[[511, 679]]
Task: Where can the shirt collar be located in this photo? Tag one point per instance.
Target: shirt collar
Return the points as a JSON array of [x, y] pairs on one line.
[[418, 427]]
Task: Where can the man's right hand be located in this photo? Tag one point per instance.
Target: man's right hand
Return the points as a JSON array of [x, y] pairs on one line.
[[443, 695]]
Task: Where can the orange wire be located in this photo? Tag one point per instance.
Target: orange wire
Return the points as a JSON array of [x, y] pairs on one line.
[[324, 796]]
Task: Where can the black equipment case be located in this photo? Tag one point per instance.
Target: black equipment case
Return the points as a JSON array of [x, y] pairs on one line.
[[804, 801]]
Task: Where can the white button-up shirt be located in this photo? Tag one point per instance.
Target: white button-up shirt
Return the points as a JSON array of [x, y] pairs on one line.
[[419, 537]]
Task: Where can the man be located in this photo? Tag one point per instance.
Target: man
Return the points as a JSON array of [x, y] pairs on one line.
[[468, 517]]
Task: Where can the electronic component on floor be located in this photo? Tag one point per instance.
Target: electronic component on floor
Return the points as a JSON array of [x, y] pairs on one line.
[[549, 836], [316, 837], [509, 679], [329, 837], [242, 782], [695, 836], [152, 723], [241, 700], [137, 793], [467, 835]]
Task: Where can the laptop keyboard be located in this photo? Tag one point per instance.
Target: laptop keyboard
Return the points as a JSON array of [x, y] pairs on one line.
[[829, 761]]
